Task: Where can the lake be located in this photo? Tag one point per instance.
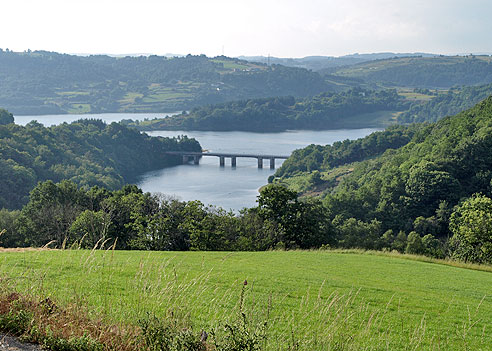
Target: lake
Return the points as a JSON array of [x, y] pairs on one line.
[[50, 120], [230, 188], [234, 188]]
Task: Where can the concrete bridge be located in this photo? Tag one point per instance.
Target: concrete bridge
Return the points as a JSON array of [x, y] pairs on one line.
[[195, 156]]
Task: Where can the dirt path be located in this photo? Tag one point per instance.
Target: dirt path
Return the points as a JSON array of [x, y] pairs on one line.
[[8, 343]]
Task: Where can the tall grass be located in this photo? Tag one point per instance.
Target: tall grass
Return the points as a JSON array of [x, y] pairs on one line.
[[162, 297]]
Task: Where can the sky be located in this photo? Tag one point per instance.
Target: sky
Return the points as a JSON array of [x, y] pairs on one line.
[[281, 28]]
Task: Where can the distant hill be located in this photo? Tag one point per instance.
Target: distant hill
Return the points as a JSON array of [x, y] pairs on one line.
[[41, 82], [441, 72], [317, 63]]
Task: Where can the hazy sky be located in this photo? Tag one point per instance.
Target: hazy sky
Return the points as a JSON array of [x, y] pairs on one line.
[[283, 28]]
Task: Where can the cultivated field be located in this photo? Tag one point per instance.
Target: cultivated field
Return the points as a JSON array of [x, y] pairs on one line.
[[316, 300]]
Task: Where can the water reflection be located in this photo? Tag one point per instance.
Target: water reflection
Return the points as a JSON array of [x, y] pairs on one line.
[[234, 188]]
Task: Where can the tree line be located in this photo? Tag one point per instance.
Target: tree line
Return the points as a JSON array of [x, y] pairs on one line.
[[329, 110], [65, 216]]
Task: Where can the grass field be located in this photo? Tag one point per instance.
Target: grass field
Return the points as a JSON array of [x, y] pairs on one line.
[[378, 119], [301, 182], [80, 108], [317, 300], [413, 96], [129, 98]]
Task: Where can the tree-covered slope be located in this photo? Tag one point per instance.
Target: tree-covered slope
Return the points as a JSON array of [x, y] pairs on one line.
[[419, 183], [43, 82], [324, 158], [323, 111], [87, 152], [423, 72], [446, 104]]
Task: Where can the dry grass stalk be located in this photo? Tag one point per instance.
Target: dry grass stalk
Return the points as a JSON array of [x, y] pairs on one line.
[[70, 322]]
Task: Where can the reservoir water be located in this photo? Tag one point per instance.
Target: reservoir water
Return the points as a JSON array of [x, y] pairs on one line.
[[234, 188], [50, 120], [230, 188]]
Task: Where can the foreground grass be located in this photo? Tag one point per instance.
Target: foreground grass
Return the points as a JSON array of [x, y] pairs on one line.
[[313, 300]]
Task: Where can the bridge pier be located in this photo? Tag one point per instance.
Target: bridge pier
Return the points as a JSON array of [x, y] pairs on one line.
[[260, 162], [187, 157]]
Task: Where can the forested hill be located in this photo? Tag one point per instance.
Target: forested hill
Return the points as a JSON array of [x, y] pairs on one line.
[[88, 152], [416, 186], [422, 72], [43, 82], [347, 109]]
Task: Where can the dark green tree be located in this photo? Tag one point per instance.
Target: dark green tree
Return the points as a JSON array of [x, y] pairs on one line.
[[89, 229], [471, 225], [9, 236], [50, 212], [6, 117], [304, 223], [414, 244]]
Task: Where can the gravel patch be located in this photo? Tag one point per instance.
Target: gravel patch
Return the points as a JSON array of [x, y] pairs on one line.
[[9, 343]]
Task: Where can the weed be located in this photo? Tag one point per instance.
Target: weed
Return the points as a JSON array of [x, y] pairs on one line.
[[83, 343], [15, 322], [166, 334], [242, 333]]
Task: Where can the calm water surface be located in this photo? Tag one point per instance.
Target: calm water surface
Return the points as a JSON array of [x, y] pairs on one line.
[[234, 188], [230, 188], [50, 120]]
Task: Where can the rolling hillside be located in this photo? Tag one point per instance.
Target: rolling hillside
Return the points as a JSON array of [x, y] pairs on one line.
[[440, 72], [318, 63], [43, 82]]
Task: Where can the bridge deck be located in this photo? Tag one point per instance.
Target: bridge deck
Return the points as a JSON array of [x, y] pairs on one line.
[[220, 154]]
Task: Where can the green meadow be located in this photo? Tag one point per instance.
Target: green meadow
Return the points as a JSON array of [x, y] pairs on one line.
[[310, 300]]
